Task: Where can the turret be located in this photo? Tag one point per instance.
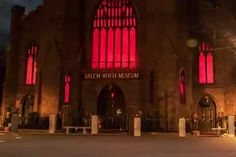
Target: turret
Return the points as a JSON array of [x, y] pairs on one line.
[[12, 58], [16, 13]]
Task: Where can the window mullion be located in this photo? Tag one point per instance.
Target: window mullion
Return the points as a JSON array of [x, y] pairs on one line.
[[117, 15]]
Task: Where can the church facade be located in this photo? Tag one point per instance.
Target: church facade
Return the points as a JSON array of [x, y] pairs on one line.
[[164, 59]]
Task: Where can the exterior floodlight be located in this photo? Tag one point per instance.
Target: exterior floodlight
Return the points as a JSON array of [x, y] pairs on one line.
[[192, 43]]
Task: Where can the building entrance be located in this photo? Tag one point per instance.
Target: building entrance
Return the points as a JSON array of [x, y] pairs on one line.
[[111, 108], [27, 103], [207, 114]]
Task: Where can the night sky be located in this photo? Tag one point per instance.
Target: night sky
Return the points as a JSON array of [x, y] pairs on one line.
[[5, 7]]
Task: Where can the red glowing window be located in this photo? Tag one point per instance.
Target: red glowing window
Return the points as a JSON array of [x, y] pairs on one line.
[[182, 87], [31, 68], [114, 35], [67, 88], [206, 70], [113, 94]]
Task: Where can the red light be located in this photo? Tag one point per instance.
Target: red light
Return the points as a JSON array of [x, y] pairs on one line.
[[206, 72], [67, 89], [202, 68], [132, 48], [112, 94], [117, 47], [210, 73], [114, 46], [125, 47], [29, 70], [182, 87], [103, 48], [110, 48], [35, 72]]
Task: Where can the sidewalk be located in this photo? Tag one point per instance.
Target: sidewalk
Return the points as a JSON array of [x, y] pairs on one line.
[[62, 132]]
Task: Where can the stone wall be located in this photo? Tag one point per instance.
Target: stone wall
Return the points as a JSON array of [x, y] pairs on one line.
[[63, 33]]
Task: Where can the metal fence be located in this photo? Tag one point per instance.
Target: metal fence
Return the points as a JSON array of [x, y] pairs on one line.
[[37, 121], [158, 125]]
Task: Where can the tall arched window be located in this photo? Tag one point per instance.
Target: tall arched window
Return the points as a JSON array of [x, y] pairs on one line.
[[114, 35], [182, 87], [206, 70], [67, 83], [31, 68]]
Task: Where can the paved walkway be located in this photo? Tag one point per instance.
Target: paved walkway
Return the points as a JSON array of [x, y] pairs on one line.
[[159, 145]]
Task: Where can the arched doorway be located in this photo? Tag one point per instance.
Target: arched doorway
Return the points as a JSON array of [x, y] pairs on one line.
[[111, 107], [27, 105], [207, 114]]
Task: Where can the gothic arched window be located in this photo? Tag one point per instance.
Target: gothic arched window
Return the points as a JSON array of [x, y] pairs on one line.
[[67, 83], [206, 70], [114, 35], [182, 87], [31, 68]]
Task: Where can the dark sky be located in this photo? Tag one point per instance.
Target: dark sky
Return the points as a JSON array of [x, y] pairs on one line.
[[5, 7]]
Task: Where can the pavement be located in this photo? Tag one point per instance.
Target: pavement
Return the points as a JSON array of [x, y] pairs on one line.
[[155, 145]]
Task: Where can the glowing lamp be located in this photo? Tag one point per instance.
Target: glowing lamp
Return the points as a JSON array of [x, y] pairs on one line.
[[192, 43], [113, 94]]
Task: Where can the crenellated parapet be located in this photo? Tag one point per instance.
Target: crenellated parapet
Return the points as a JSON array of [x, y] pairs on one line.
[[32, 14]]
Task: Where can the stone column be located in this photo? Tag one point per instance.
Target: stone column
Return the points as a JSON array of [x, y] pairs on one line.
[[182, 127], [94, 125], [231, 125], [137, 126], [52, 124]]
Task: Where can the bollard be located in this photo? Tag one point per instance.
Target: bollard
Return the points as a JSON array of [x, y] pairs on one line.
[[137, 126], [182, 127], [1, 121], [15, 123], [231, 125], [52, 124], [94, 125], [224, 124]]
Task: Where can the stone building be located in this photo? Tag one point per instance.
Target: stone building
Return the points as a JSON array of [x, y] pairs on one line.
[[2, 74], [165, 59]]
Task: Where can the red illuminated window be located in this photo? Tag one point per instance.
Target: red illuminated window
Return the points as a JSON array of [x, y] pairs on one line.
[[114, 35], [182, 87], [67, 88], [206, 70], [31, 68]]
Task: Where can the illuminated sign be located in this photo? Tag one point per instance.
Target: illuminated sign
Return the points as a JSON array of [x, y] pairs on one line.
[[111, 75]]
